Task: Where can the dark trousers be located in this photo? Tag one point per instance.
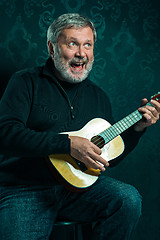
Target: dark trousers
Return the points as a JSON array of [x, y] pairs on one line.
[[30, 212]]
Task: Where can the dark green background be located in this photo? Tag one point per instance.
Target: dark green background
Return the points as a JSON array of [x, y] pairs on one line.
[[127, 67]]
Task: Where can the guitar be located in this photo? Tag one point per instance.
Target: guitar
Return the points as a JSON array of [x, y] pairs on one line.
[[74, 174]]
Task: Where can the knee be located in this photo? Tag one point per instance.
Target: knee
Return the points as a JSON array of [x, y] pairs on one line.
[[130, 201]]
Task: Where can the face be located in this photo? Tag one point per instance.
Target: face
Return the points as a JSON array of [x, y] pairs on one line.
[[73, 55]]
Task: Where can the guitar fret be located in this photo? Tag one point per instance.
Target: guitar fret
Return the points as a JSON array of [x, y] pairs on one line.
[[106, 135], [122, 125], [137, 115], [109, 134], [128, 120], [109, 131], [132, 119], [113, 131], [119, 127]]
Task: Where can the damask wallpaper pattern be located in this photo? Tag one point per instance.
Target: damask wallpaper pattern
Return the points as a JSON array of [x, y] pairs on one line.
[[127, 67]]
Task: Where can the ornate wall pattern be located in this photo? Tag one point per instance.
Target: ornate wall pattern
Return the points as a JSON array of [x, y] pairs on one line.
[[127, 67]]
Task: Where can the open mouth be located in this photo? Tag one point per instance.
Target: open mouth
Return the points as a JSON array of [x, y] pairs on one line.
[[77, 66]]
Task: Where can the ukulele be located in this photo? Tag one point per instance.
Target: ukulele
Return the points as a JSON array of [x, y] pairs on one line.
[[74, 174]]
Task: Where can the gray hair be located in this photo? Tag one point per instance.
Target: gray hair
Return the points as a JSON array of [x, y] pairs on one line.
[[67, 21]]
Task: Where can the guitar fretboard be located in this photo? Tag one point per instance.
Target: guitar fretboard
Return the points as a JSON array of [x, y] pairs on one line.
[[122, 125], [119, 127]]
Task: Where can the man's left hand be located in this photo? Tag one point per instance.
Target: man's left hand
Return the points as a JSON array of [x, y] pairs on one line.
[[150, 114]]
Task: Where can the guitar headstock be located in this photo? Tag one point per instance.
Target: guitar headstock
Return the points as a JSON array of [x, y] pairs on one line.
[[156, 97]]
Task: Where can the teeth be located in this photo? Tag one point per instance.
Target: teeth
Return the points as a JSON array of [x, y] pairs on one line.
[[78, 64]]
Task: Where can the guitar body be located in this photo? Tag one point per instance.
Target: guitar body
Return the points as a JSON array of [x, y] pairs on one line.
[[70, 172]]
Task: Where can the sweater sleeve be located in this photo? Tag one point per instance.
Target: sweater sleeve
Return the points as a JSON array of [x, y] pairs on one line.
[[16, 139]]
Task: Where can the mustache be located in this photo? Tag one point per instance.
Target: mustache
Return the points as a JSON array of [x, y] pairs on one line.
[[79, 59]]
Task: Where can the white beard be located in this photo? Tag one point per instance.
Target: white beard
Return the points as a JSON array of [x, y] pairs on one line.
[[63, 70]]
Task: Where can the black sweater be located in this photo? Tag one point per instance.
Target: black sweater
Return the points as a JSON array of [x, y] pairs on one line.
[[34, 109]]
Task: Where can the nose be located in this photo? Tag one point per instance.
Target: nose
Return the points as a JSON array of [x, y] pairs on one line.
[[80, 52]]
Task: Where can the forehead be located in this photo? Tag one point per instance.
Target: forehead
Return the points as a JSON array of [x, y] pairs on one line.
[[80, 34]]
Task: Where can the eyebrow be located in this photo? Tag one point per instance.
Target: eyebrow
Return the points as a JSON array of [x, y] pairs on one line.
[[76, 39]]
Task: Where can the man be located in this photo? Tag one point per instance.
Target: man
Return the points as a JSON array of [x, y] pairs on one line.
[[40, 103]]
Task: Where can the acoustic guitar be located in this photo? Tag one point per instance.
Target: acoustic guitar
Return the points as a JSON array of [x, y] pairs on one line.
[[74, 174]]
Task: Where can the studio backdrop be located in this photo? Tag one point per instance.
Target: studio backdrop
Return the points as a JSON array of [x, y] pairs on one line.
[[127, 67]]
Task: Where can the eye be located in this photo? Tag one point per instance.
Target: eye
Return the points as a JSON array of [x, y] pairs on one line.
[[87, 45], [71, 44]]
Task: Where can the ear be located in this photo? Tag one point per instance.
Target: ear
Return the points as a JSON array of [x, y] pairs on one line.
[[51, 48]]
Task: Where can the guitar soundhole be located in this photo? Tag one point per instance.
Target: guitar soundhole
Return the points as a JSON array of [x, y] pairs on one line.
[[98, 141]]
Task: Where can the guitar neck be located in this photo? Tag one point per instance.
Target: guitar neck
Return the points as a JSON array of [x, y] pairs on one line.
[[122, 125]]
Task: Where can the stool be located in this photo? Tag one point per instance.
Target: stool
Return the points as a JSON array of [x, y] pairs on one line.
[[65, 230]]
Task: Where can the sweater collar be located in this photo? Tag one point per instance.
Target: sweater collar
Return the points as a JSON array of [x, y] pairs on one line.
[[48, 70]]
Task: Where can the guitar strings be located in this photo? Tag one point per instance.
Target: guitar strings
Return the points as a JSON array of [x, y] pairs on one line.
[[110, 132], [136, 116]]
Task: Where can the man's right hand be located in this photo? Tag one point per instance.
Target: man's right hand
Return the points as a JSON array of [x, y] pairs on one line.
[[87, 152]]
